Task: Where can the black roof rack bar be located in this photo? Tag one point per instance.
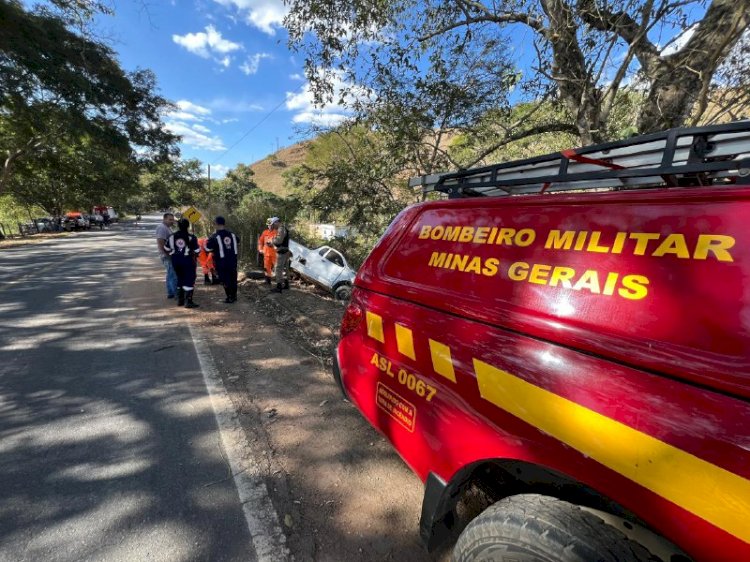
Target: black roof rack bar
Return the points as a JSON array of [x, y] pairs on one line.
[[686, 152], [607, 174]]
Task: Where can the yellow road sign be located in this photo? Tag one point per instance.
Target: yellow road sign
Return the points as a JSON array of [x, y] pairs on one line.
[[192, 214]]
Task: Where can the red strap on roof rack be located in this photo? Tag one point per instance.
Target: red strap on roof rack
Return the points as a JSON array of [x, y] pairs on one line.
[[572, 155]]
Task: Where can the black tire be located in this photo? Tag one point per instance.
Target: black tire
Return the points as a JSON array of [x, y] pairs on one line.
[[343, 292], [534, 528]]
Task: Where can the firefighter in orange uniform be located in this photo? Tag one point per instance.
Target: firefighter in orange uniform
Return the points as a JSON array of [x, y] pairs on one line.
[[269, 252], [206, 259]]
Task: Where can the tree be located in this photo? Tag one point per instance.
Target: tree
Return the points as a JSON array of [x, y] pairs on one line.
[[48, 69], [579, 54], [235, 186], [75, 170], [352, 176], [174, 183]]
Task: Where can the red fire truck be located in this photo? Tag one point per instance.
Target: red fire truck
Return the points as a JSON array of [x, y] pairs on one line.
[[560, 349]]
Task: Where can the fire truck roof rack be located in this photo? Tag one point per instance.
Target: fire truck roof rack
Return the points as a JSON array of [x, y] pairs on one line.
[[710, 155]]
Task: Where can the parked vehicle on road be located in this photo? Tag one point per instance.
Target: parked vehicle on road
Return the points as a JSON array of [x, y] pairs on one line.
[[325, 267], [570, 372], [75, 220], [45, 224]]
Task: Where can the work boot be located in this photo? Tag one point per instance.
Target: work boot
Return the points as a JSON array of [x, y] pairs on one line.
[[190, 303], [206, 279], [180, 296], [268, 280], [277, 289], [286, 284]]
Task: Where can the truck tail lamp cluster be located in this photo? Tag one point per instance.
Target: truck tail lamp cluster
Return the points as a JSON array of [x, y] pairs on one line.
[[352, 317]]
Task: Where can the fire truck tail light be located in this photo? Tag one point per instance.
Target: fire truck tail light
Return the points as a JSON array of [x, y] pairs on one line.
[[352, 318]]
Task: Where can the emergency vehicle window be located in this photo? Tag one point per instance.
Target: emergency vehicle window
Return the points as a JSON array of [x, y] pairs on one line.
[[322, 251], [335, 257]]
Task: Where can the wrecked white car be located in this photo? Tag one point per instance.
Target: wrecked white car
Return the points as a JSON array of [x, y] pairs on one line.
[[324, 267]]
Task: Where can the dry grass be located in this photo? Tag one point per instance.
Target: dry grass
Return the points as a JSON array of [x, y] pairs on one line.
[[268, 172], [33, 239]]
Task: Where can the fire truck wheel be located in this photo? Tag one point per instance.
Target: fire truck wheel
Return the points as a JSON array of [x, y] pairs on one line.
[[534, 528]]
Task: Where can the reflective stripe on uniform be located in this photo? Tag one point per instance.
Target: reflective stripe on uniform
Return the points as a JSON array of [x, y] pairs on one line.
[[169, 245]]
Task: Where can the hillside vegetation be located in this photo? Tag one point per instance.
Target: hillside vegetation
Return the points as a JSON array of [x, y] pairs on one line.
[[268, 173]]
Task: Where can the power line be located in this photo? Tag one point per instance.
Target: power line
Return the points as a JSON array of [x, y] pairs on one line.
[[243, 137]]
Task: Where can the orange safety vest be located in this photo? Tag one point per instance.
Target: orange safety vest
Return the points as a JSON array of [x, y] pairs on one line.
[[266, 236], [269, 252], [205, 257]]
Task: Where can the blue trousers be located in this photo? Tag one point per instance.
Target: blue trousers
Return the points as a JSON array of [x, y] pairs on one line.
[[171, 276]]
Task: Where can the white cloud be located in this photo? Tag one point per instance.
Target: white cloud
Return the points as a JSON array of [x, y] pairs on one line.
[[232, 120], [253, 63], [191, 107], [233, 106], [196, 136], [184, 116], [297, 76], [303, 104], [206, 44], [218, 171], [319, 118], [266, 15]]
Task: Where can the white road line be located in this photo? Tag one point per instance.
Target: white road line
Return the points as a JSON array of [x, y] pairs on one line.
[[262, 521]]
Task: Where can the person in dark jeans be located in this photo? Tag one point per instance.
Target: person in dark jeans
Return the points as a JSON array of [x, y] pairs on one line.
[[224, 245], [163, 232]]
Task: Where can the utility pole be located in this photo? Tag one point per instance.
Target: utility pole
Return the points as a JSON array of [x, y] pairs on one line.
[[209, 188]]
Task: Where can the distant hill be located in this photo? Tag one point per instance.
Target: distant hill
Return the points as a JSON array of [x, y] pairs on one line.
[[268, 172]]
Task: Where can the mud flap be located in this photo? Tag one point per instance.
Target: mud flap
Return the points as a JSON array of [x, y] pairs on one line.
[[434, 526], [337, 373]]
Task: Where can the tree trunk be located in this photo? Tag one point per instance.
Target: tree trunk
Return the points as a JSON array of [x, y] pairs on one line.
[[577, 92], [677, 79]]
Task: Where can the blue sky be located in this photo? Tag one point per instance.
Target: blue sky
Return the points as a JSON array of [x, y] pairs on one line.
[[226, 65]]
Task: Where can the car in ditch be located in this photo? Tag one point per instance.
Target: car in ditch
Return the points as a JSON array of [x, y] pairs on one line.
[[323, 266]]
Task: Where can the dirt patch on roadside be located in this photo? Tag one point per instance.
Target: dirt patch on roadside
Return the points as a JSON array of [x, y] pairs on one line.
[[34, 239], [341, 491]]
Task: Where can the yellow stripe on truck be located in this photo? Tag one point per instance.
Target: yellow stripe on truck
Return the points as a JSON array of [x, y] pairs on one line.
[[716, 495], [442, 362], [375, 326], [405, 341]]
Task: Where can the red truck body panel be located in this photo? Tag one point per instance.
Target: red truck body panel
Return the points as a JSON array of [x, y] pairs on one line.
[[602, 335]]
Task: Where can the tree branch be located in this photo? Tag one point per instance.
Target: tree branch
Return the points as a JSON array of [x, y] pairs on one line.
[[623, 25], [487, 17], [536, 130]]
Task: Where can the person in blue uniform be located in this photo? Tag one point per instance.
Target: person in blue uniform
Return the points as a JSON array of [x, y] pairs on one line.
[[225, 247], [183, 248]]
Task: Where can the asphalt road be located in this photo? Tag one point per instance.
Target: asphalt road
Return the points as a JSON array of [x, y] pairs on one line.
[[109, 448]]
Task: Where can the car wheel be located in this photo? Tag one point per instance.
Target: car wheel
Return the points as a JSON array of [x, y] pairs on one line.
[[343, 292], [534, 528]]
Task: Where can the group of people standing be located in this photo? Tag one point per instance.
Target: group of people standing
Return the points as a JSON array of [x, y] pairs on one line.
[[181, 251]]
